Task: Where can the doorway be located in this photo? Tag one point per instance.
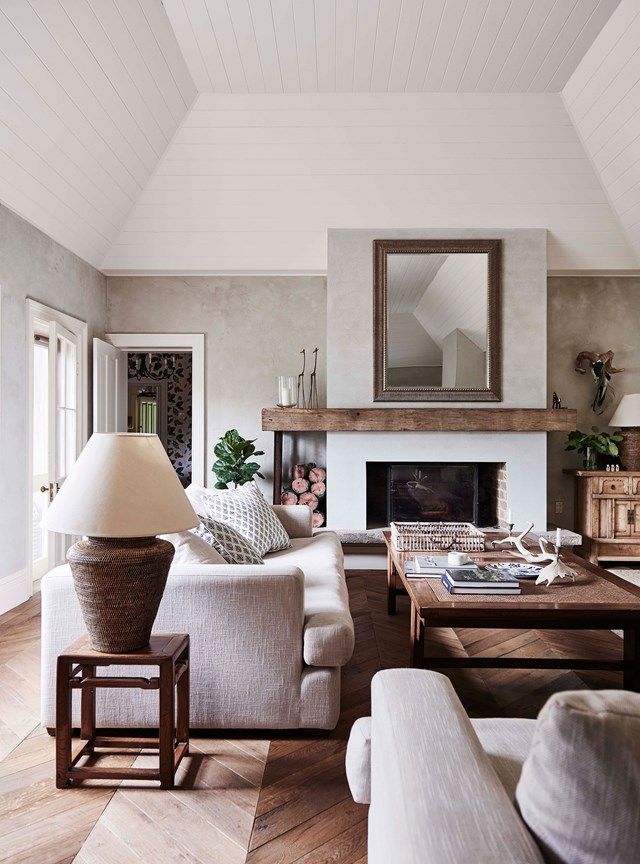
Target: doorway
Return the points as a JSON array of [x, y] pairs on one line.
[[57, 360], [160, 391], [165, 375]]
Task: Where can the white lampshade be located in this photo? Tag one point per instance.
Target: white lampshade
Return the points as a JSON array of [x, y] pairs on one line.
[[122, 485], [628, 411]]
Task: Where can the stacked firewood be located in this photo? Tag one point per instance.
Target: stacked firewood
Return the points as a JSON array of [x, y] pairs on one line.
[[308, 487]]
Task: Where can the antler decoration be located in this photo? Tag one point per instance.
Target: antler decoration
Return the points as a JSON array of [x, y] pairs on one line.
[[602, 369], [556, 568]]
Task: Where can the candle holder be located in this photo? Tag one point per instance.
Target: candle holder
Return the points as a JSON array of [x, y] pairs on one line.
[[287, 396]]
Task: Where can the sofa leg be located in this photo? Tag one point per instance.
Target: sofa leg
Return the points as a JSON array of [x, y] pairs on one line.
[[51, 731]]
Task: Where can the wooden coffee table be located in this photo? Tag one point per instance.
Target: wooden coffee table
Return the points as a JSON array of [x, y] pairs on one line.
[[597, 600]]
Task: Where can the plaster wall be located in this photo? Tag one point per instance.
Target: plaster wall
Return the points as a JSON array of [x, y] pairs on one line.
[[31, 266], [587, 313], [255, 327]]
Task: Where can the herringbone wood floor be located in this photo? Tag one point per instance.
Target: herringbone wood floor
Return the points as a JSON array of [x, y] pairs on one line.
[[262, 800]]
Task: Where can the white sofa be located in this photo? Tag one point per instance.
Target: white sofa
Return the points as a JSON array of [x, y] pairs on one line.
[[267, 641], [445, 789]]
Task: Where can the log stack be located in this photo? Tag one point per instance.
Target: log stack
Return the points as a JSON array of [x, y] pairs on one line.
[[308, 488]]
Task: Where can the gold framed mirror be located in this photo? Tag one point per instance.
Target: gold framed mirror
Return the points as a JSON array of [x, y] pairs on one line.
[[437, 320]]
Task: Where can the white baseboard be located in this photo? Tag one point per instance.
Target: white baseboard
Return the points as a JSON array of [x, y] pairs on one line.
[[13, 590]]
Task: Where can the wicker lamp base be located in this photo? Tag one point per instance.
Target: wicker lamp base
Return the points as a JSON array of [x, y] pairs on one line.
[[630, 448], [119, 583]]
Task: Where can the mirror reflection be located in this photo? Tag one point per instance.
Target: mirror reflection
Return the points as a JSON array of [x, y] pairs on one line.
[[437, 312]]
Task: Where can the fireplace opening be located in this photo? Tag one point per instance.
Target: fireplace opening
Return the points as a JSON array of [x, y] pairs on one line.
[[435, 492]]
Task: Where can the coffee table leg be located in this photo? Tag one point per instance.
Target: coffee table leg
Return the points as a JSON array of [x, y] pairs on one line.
[[631, 677], [391, 585], [416, 659]]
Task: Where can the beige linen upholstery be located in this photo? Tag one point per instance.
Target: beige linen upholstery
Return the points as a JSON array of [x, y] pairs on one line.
[[328, 632], [358, 761], [506, 741], [436, 798], [296, 519], [262, 650], [579, 791]]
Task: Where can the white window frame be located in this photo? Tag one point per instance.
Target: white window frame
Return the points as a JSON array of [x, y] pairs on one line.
[[193, 342], [39, 313]]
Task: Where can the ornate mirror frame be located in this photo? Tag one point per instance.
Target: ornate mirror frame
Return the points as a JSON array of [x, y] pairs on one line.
[[382, 391]]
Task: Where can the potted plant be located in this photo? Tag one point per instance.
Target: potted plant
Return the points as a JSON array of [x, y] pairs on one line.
[[232, 465], [589, 444]]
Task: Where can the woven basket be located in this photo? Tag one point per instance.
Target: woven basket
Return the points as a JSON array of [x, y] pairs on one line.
[[436, 537], [119, 583]]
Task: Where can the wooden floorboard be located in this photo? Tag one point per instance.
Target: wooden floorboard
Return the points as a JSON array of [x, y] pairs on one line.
[[254, 798]]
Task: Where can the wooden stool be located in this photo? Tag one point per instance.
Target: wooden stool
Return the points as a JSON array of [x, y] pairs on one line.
[[77, 671]]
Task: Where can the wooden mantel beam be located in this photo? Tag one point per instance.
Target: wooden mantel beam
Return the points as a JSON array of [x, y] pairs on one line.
[[419, 420]]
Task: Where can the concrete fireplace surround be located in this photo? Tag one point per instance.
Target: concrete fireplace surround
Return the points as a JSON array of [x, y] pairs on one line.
[[350, 376]]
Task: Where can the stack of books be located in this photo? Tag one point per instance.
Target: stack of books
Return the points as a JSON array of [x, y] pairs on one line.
[[432, 565], [479, 580]]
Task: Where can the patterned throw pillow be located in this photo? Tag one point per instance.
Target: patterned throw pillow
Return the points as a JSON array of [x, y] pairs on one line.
[[228, 542], [246, 510]]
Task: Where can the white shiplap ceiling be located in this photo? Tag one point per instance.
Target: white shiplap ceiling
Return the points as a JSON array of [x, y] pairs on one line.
[[91, 93], [105, 148], [408, 277], [308, 46]]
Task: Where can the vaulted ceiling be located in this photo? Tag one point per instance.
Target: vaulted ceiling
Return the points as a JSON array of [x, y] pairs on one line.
[[315, 114], [306, 46]]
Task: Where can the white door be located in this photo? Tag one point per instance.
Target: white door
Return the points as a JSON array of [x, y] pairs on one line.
[[64, 431], [40, 442], [110, 379]]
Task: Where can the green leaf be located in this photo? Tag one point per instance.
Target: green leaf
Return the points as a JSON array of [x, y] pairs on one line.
[[220, 485]]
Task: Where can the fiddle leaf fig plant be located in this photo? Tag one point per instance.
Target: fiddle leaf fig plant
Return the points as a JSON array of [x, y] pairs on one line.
[[590, 443], [232, 464]]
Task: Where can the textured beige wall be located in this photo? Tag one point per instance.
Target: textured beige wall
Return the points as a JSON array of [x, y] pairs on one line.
[[254, 326], [587, 313], [31, 265]]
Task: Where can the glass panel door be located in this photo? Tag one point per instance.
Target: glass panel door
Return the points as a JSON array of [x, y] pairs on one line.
[[63, 416], [40, 444]]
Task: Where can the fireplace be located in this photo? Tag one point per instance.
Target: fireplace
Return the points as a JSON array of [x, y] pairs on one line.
[[435, 492]]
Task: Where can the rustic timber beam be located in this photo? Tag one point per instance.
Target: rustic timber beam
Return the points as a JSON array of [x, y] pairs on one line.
[[419, 420]]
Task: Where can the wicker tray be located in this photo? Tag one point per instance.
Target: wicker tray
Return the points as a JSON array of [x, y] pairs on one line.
[[436, 537]]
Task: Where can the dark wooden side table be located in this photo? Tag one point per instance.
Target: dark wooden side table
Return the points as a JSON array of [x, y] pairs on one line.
[[76, 670]]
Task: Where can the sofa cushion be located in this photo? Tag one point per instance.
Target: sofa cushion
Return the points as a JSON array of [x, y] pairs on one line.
[[189, 548], [231, 545], [579, 791], [358, 761], [506, 741], [246, 510], [328, 634]]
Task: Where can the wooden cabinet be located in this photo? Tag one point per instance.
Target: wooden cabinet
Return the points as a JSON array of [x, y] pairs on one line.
[[608, 514]]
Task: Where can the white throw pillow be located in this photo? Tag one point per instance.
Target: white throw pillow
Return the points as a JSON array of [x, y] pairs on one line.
[[246, 510], [579, 790], [228, 542], [192, 549]]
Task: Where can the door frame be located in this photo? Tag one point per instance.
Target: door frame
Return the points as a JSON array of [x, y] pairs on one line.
[[193, 342], [39, 312]]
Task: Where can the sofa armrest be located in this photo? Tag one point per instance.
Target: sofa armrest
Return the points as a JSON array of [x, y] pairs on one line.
[[435, 797], [295, 519], [358, 761]]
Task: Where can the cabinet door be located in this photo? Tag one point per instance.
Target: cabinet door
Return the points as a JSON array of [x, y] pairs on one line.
[[626, 518]]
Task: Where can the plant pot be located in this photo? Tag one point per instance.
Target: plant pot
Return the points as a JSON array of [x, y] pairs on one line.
[[590, 459]]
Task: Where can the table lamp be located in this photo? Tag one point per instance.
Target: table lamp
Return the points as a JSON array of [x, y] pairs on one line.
[[627, 417], [120, 493]]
